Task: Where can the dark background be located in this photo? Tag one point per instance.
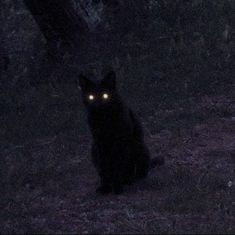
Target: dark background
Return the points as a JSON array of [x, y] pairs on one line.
[[175, 66], [162, 51]]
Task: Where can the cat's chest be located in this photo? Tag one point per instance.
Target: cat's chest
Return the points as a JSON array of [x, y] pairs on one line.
[[111, 130]]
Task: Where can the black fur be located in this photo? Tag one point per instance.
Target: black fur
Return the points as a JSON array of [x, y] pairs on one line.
[[118, 150]]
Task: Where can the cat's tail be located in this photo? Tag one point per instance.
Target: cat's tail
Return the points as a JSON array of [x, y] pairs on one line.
[[158, 161]]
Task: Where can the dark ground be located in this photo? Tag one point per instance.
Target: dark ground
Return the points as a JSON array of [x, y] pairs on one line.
[[193, 193], [178, 75]]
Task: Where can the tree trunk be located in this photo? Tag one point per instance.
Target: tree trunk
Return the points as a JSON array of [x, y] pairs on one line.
[[58, 20]]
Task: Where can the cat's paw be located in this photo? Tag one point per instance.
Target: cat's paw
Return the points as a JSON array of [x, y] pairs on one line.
[[118, 190], [104, 190]]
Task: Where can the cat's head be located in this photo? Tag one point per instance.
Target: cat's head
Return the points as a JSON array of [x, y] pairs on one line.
[[99, 94]]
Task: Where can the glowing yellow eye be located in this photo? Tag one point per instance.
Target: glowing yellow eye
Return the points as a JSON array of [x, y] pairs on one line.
[[105, 96], [91, 97]]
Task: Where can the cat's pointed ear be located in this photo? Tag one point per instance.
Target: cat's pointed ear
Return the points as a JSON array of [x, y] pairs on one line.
[[110, 80], [84, 82]]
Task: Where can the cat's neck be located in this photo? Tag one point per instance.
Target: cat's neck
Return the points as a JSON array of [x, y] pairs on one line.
[[106, 112]]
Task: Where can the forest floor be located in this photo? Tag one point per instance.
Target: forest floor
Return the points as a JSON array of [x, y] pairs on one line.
[[193, 193]]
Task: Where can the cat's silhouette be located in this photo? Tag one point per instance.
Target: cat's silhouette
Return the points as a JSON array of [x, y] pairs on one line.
[[118, 150]]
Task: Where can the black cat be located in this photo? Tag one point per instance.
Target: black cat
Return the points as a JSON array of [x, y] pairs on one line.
[[118, 150]]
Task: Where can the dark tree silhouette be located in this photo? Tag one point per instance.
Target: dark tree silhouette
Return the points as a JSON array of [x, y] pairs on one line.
[[58, 20]]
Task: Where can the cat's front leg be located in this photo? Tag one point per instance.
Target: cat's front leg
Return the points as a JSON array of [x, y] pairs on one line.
[[117, 182], [118, 188], [105, 185]]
